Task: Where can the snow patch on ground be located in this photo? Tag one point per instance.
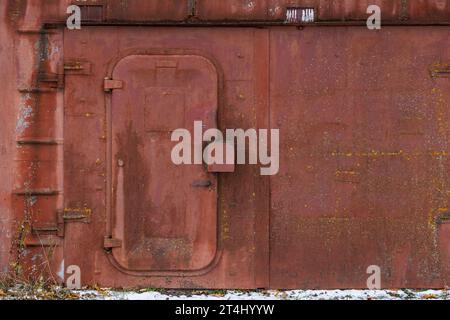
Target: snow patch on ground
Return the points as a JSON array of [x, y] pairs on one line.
[[272, 295], [26, 292]]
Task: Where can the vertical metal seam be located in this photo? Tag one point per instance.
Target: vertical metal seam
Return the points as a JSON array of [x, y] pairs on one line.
[[262, 213], [269, 227], [404, 12], [192, 8]]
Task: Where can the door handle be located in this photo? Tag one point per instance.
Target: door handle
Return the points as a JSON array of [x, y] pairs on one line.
[[202, 184]]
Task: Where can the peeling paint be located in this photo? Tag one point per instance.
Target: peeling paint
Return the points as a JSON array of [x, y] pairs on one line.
[[25, 114], [31, 201], [61, 273]]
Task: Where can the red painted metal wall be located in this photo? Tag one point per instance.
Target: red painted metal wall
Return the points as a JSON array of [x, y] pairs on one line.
[[364, 143]]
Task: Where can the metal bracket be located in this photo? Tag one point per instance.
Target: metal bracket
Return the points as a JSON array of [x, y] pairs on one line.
[[439, 70], [110, 84], [54, 80], [227, 166], [221, 168], [71, 215], [77, 68], [404, 10], [42, 241], [110, 243], [91, 10]]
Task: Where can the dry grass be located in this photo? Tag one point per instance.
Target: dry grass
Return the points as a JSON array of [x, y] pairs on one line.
[[13, 286]]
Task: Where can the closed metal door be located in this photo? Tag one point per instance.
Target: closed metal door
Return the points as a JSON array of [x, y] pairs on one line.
[[165, 215]]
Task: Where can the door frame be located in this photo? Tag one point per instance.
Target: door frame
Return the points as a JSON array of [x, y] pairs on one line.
[[109, 157]]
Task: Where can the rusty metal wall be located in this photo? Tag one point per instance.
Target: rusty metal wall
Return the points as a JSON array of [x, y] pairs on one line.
[[240, 254], [364, 140], [405, 11], [364, 162], [328, 10], [7, 100]]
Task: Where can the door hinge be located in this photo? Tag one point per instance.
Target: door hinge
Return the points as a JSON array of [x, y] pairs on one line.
[[110, 84], [111, 243]]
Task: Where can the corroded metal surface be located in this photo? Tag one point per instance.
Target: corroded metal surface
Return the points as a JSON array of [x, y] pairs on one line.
[[364, 131], [182, 11], [241, 251], [364, 157]]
